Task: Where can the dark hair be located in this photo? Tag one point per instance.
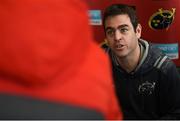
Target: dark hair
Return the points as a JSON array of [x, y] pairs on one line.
[[118, 9]]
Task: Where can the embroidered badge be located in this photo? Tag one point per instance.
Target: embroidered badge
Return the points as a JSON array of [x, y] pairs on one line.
[[146, 88]]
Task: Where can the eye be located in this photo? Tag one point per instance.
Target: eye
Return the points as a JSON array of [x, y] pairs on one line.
[[110, 32], [123, 30]]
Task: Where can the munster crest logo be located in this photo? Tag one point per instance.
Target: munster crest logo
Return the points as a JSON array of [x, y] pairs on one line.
[[162, 19], [146, 88]]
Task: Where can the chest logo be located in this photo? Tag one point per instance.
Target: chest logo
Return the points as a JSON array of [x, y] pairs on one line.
[[146, 88]]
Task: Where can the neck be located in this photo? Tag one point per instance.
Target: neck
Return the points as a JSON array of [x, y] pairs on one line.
[[130, 62]]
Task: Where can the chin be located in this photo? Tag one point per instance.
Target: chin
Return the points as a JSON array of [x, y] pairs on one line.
[[121, 55]]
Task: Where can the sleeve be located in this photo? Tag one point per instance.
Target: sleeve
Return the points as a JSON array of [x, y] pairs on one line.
[[170, 91]]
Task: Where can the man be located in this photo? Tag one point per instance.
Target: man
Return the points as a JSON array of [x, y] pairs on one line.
[[147, 82], [50, 68]]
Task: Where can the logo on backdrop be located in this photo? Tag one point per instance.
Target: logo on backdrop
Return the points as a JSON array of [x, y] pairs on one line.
[[171, 49], [162, 19], [95, 17]]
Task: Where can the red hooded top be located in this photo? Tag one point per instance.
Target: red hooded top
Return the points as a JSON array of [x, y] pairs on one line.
[[47, 52]]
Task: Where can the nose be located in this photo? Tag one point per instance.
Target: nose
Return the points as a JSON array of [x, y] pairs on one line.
[[117, 35]]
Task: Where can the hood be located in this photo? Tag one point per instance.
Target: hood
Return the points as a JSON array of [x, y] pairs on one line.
[[47, 52], [150, 54], [42, 38]]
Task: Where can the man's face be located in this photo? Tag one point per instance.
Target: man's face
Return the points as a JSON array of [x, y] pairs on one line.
[[120, 35]]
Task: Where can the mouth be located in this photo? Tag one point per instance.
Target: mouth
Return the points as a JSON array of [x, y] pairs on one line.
[[119, 46]]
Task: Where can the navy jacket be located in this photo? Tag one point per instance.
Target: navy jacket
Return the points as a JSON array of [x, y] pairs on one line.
[[152, 90]]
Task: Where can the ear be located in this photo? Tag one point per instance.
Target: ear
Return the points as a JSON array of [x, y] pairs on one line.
[[138, 31]]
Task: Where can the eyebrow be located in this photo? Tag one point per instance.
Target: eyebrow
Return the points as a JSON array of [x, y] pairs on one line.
[[120, 26]]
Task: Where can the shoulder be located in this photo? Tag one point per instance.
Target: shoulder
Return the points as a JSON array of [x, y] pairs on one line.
[[161, 60], [167, 67]]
